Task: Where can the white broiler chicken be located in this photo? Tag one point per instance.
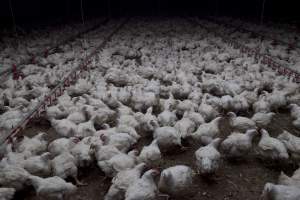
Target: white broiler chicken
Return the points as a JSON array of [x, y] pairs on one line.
[[296, 174], [271, 148], [82, 86], [18, 101], [296, 123], [280, 192], [148, 121], [77, 117], [99, 115], [13, 176], [176, 180], [144, 188], [185, 105], [226, 103], [128, 130], [168, 138], [150, 154], [295, 98], [295, 113], [14, 158], [292, 143], [52, 187], [238, 145], [7, 193], [11, 118], [62, 145], [122, 181], [92, 141], [195, 117], [185, 127], [208, 158], [262, 119], [283, 179], [295, 110], [110, 100], [169, 103], [105, 152], [56, 112], [124, 110], [118, 163], [240, 103], [142, 100], [108, 131], [128, 120], [64, 127], [86, 129], [207, 132], [167, 118], [39, 165], [277, 99], [181, 91], [68, 102], [83, 154], [196, 95], [94, 101], [121, 141], [262, 105], [64, 166], [34, 145], [239, 123], [206, 110]]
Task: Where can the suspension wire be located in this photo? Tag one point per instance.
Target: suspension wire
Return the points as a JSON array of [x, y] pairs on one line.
[[262, 13], [82, 13], [82, 18], [12, 16]]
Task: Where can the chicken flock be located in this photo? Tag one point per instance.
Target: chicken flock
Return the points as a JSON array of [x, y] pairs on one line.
[[286, 53], [174, 85], [16, 48], [17, 98]]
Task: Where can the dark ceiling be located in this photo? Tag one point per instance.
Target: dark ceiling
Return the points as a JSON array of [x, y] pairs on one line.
[[42, 11]]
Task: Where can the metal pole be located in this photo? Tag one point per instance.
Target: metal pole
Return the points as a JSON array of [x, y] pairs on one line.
[[262, 13], [12, 16], [82, 13]]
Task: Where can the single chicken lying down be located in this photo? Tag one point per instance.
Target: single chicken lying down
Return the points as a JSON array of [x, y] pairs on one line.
[[176, 180], [52, 187]]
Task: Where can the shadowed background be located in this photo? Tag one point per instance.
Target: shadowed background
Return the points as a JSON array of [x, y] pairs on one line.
[[42, 12]]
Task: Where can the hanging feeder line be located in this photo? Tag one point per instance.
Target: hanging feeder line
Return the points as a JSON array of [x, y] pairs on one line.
[[265, 59], [12, 16], [82, 12], [59, 89], [50, 50], [245, 30], [262, 14]]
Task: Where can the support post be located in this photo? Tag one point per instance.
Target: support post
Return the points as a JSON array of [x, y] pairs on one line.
[[262, 12], [12, 16], [82, 12]]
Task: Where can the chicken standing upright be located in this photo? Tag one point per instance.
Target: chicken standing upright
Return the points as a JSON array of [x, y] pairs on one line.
[[208, 158]]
